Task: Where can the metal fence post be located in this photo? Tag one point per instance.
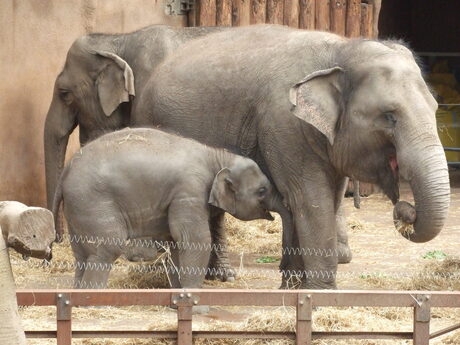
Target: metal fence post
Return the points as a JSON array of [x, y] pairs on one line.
[[184, 302], [422, 316], [303, 326], [64, 319]]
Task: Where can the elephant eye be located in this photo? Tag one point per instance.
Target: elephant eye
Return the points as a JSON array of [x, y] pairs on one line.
[[65, 95], [261, 192], [390, 118]]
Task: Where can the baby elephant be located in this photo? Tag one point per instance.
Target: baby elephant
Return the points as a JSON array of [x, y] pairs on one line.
[[138, 183]]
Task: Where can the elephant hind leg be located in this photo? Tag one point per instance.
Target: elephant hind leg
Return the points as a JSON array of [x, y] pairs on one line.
[[219, 265], [96, 272]]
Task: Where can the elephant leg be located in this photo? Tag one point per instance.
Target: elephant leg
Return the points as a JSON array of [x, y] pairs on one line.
[[291, 265], [79, 271], [174, 276], [189, 226], [97, 270], [343, 249], [219, 265]]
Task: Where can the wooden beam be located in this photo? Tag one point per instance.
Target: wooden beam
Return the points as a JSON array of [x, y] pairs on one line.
[[367, 24], [240, 12], [338, 16], [224, 13], [275, 11], [258, 11], [206, 13], [323, 15], [291, 13], [353, 26], [307, 14]]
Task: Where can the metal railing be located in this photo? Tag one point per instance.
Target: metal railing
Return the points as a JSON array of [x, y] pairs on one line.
[[184, 300]]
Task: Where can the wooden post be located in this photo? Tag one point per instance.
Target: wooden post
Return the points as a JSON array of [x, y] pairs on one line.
[[353, 26], [206, 13], [291, 13], [258, 11], [367, 24], [307, 14], [11, 331], [275, 11], [422, 316], [323, 15], [224, 13], [29, 230], [64, 319], [338, 16], [304, 317], [240, 12], [191, 16]]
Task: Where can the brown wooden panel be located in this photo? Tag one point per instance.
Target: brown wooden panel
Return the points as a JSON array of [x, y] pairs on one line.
[[240, 12], [206, 13], [275, 11], [224, 13], [307, 14], [353, 26], [367, 23], [291, 13], [258, 11], [338, 16], [322, 15]]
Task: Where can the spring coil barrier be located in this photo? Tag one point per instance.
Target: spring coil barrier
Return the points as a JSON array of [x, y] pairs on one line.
[[164, 265]]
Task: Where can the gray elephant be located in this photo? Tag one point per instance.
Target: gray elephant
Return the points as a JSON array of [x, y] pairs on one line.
[[138, 183], [310, 108], [96, 89]]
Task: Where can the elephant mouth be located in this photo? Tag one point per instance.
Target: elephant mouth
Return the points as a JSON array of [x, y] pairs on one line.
[[388, 179]]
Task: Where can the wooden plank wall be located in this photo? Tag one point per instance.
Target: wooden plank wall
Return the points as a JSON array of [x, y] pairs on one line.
[[344, 17]]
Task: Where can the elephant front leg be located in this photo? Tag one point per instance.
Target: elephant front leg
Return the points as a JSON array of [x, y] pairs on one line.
[[318, 244], [219, 265], [343, 249], [189, 228]]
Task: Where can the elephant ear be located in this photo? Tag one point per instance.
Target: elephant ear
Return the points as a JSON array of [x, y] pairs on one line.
[[222, 192], [317, 100], [115, 83]]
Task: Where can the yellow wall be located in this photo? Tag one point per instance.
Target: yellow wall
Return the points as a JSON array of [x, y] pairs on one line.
[[34, 38]]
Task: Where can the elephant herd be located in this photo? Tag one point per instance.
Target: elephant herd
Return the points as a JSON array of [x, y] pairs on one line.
[[241, 120]]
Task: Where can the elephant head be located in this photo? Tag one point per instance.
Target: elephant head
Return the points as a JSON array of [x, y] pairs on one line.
[[243, 191], [89, 92], [378, 115]]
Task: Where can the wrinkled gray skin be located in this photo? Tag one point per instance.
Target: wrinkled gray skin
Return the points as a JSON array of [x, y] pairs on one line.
[[96, 89], [145, 183], [310, 108]]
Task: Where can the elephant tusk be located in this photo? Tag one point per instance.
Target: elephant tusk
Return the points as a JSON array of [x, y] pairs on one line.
[[356, 196]]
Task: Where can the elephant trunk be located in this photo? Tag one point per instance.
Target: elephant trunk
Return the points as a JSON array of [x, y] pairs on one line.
[[423, 163], [60, 122]]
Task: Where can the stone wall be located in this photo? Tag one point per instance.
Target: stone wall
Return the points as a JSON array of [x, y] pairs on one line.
[[34, 38]]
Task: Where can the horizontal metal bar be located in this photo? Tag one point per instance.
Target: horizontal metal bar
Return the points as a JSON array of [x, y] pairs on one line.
[[444, 331], [451, 148], [362, 335], [222, 335], [239, 297]]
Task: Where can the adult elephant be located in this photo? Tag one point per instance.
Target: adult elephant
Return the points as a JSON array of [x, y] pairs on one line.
[[96, 90], [310, 108]]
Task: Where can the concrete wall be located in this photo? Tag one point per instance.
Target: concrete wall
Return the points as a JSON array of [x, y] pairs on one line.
[[34, 38]]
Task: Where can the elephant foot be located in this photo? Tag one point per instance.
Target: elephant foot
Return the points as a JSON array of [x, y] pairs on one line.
[[344, 253], [219, 268], [291, 280]]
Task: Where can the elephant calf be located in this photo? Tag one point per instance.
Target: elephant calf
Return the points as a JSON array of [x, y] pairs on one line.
[[138, 183]]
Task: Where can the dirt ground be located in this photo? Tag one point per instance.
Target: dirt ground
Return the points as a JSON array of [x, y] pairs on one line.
[[382, 259]]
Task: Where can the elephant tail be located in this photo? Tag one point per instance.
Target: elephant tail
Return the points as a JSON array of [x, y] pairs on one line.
[[58, 217]]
